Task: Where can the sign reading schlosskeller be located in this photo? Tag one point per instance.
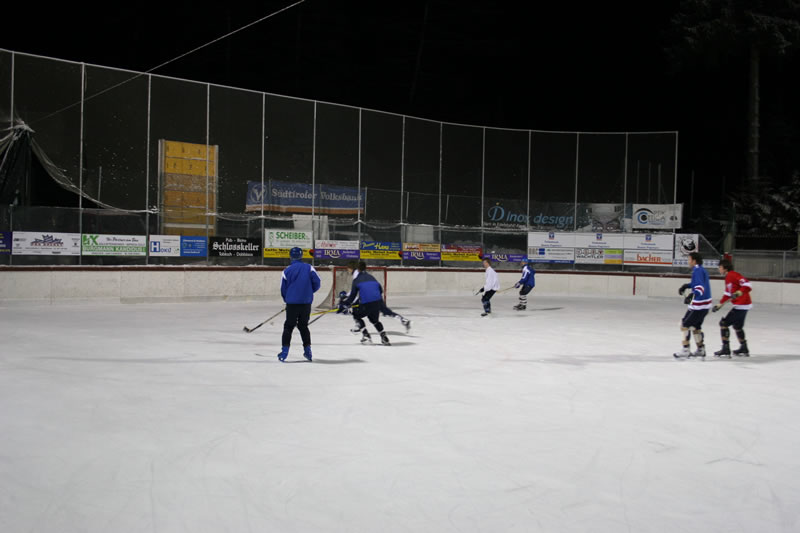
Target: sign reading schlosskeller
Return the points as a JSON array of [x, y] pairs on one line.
[[233, 247]]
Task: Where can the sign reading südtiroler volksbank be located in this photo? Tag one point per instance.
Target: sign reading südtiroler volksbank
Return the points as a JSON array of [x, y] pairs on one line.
[[288, 238], [99, 244], [647, 241], [551, 239], [49, 243], [600, 240]]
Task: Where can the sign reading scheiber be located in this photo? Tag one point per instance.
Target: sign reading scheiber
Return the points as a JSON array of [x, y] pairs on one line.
[[94, 244], [288, 238]]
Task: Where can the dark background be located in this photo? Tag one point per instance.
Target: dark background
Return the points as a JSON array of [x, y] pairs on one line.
[[597, 66]]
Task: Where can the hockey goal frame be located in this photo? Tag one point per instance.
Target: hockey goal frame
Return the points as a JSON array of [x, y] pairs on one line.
[[342, 281]]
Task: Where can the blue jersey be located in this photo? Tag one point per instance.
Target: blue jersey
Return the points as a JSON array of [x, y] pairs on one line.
[[299, 282], [365, 288], [701, 289], [528, 277]]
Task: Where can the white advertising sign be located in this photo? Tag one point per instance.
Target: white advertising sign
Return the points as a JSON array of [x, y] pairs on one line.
[[656, 217], [647, 241], [685, 243], [598, 256], [599, 240], [648, 257], [551, 255], [96, 244], [551, 239], [165, 245], [288, 238], [49, 243], [336, 245]]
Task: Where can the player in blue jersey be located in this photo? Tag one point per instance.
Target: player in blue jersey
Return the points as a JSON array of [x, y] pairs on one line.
[[299, 282], [369, 293], [699, 301], [525, 285]]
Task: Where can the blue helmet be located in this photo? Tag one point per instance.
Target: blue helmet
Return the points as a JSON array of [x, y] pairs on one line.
[[296, 253]]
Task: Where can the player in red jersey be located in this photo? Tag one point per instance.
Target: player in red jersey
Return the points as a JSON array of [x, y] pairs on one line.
[[737, 290]]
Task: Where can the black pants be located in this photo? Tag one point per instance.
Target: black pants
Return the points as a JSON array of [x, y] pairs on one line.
[[487, 305], [694, 318], [297, 315], [370, 310]]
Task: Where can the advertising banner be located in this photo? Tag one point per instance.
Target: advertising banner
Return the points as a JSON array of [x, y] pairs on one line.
[[551, 255], [165, 246], [600, 240], [506, 258], [381, 250], [99, 244], [657, 217], [551, 239], [288, 238], [283, 253], [5, 242], [685, 243], [336, 250], [297, 198], [648, 257], [598, 256], [647, 241], [33, 243], [233, 247], [414, 251], [452, 252], [194, 247]]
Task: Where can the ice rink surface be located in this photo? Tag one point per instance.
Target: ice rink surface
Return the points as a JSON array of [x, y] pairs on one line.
[[572, 416]]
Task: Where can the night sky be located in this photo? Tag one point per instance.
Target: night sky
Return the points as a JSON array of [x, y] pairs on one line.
[[595, 66]]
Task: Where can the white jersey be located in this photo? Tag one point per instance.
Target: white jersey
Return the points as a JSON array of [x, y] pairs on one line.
[[492, 281]]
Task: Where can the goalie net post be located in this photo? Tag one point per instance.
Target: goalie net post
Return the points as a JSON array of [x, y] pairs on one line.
[[342, 281]]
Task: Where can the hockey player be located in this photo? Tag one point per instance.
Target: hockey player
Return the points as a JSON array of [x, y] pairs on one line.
[[299, 282], [370, 299], [525, 285], [385, 311], [699, 300], [490, 286], [737, 289]]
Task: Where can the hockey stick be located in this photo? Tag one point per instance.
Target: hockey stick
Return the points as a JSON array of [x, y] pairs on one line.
[[250, 330], [323, 313]]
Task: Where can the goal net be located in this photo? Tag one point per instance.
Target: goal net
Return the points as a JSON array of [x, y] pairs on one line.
[[342, 281]]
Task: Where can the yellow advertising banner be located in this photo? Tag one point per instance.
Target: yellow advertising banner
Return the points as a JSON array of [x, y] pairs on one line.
[[380, 254], [283, 253]]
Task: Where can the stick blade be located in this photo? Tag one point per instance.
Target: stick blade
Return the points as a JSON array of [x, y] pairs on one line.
[[246, 329]]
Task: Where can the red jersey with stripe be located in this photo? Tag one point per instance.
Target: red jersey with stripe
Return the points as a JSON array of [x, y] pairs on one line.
[[736, 282]]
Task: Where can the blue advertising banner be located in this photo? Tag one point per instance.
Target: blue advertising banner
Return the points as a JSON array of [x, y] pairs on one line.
[[422, 256], [5, 242], [507, 258], [194, 247], [335, 253], [297, 198]]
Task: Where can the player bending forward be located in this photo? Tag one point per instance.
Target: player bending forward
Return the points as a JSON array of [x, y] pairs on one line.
[[370, 299], [737, 290]]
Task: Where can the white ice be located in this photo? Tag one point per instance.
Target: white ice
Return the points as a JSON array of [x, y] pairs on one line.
[[572, 416]]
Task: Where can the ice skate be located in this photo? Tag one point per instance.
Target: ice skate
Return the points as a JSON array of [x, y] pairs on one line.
[[486, 313], [366, 338], [519, 307], [307, 352], [742, 351], [385, 339], [683, 352], [284, 353], [701, 352], [355, 330], [406, 323], [725, 351]]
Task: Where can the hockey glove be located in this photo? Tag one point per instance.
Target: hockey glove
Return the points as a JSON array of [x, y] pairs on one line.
[[716, 308], [736, 294], [683, 288], [689, 298], [516, 285], [343, 309], [480, 290]]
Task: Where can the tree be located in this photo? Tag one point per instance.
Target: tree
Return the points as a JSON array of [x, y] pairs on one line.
[[713, 29]]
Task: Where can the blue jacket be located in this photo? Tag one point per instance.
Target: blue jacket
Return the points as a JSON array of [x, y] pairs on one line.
[[365, 288], [299, 282], [528, 278], [701, 289]]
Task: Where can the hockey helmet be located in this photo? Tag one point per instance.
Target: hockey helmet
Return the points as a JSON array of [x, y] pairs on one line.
[[296, 253]]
